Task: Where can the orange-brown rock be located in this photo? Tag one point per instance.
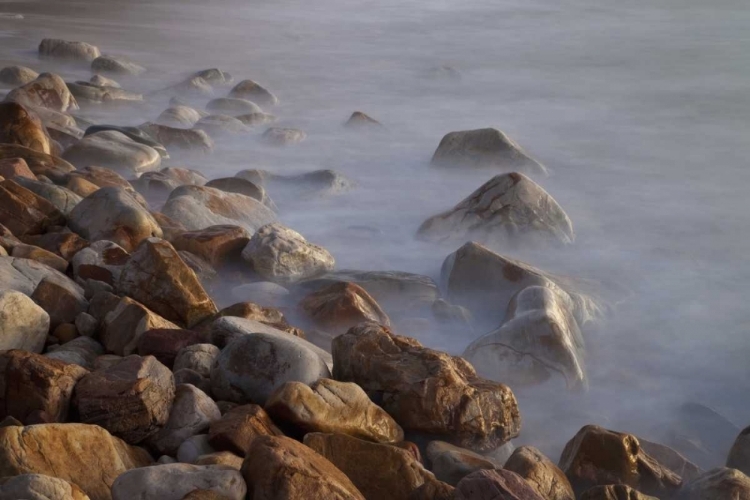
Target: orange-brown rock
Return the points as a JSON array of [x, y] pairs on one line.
[[450, 463], [433, 490], [81, 186], [19, 126], [614, 492], [39, 163], [62, 303], [541, 474], [105, 177], [280, 468], [494, 485], [717, 484], [169, 227], [428, 392], [340, 306], [66, 245], [220, 458], [48, 258], [125, 323], [267, 315], [47, 91], [24, 212], [12, 167], [238, 427], [219, 245]]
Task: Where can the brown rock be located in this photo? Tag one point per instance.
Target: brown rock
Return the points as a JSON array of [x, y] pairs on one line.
[[739, 455], [39, 163], [131, 399], [24, 212], [671, 459], [217, 244], [221, 458], [494, 485], [614, 492], [238, 427], [80, 186], [62, 303], [165, 343], [266, 315], [34, 388], [48, 258], [47, 91], [362, 120], [280, 468], [65, 332], [597, 456], [105, 177], [427, 391], [205, 495], [124, 325], [66, 245], [545, 477], [12, 167], [248, 89], [169, 227], [19, 126], [451, 464], [342, 305], [717, 484]]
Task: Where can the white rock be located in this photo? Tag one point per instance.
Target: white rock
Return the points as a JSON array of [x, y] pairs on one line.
[[174, 481], [23, 324]]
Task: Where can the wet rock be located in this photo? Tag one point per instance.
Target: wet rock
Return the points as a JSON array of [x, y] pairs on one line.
[[47, 91], [276, 136], [197, 357], [377, 470], [138, 135], [232, 106], [84, 455], [63, 199], [179, 116], [166, 343], [315, 183], [178, 138], [88, 93], [132, 398], [426, 391], [541, 474], [103, 81], [218, 125], [614, 492], [15, 167], [717, 484], [279, 468], [507, 208], [24, 275], [487, 147], [126, 323], [39, 163], [215, 76], [39, 487], [175, 481], [24, 324], [596, 456], [248, 89], [81, 351], [162, 182], [198, 207], [193, 87], [19, 126], [739, 455], [360, 120], [102, 261], [63, 49], [332, 407], [237, 428], [113, 150], [494, 485], [219, 245], [17, 75], [117, 65], [242, 186], [451, 464], [25, 212], [34, 388], [340, 306], [61, 302], [112, 214]]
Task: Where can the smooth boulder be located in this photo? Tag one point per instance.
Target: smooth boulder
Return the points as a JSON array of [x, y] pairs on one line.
[[175, 481], [113, 150], [47, 91], [64, 49], [19, 126], [23, 324]]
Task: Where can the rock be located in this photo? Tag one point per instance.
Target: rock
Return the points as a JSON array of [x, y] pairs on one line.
[[194, 447], [189, 140], [242, 186], [104, 177], [494, 485], [197, 357], [84, 455], [507, 208], [47, 91], [87, 325], [257, 314], [112, 214], [282, 255], [279, 468], [156, 276], [103, 81], [66, 245], [39, 163], [221, 458], [65, 332], [63, 199], [131, 399], [17, 75], [377, 470], [174, 481], [276, 136], [340, 306], [204, 495], [314, 183], [62, 303], [23, 324], [219, 245], [203, 270], [127, 322], [262, 292], [88, 93], [487, 147], [187, 376], [215, 76], [717, 484], [19, 126], [192, 412], [256, 119], [81, 351], [614, 492], [332, 407], [166, 343], [63, 49], [39, 487], [25, 212], [117, 65], [113, 150], [198, 207], [179, 116], [47, 258], [162, 182], [451, 464], [248, 89], [252, 366], [541, 474], [36, 389], [671, 459], [426, 391], [237, 428], [218, 125], [24, 275], [360, 120], [194, 87], [433, 490], [15, 167], [232, 106], [702, 433], [101, 261], [134, 133], [596, 456], [739, 455]]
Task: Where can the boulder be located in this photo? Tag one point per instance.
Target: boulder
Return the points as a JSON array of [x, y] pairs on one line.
[[614, 492], [24, 275], [162, 182], [113, 150], [280, 468], [377, 470], [132, 398], [307, 184], [221, 125], [237, 428], [716, 484], [487, 147], [88, 93], [66, 245], [248, 89], [494, 485], [544, 476], [39, 163], [193, 87], [165, 344], [47, 91], [14, 76], [63, 199], [276, 136], [739, 455], [256, 314], [84, 455], [219, 245], [19, 126], [81, 351], [135, 133], [331, 406], [175, 481], [112, 214], [178, 138], [360, 120], [242, 186], [124, 325], [671, 459], [39, 487], [340, 306], [232, 106], [117, 65], [62, 303], [15, 167], [194, 447], [179, 116], [101, 261], [221, 458], [215, 76], [47, 258], [105, 177], [103, 81], [25, 212], [197, 357], [451, 464], [63, 49], [433, 490], [426, 391], [23, 324]]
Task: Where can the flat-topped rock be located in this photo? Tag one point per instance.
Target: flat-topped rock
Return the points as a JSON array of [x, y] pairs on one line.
[[114, 150], [63, 49]]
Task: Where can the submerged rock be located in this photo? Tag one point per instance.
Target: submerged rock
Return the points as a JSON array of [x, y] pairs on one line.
[[179, 116], [63, 49], [219, 125], [232, 106], [17, 75], [190, 140], [719, 483], [248, 89], [276, 136], [317, 182], [134, 133], [87, 92], [360, 120], [215, 76], [340, 306], [116, 65]]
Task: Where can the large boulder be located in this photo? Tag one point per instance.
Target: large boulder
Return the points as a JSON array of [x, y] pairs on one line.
[[739, 455], [451, 464], [720, 483], [614, 492], [156, 276], [671, 459], [248, 89], [197, 357], [132, 398], [198, 207], [175, 481], [177, 138], [66, 245], [487, 147], [19, 126], [127, 322], [280, 468], [14, 76], [180, 116], [25, 212], [237, 428], [541, 474], [24, 275], [23, 324], [39, 487], [232, 106], [507, 208], [428, 392], [112, 214], [333, 407], [219, 245], [63, 199], [47, 91], [165, 344], [81, 351], [84, 455], [114, 150], [494, 485], [63, 49], [39, 163], [340, 306], [105, 177], [61, 302]]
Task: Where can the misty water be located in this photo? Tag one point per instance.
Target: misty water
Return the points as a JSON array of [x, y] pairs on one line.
[[639, 109]]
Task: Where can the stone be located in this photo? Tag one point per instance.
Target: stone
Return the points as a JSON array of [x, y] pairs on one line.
[[112, 214], [47, 91], [66, 245], [342, 305], [39, 163], [170, 228], [104, 177], [162, 182], [203, 270], [25, 212], [359, 120], [242, 186], [178, 138], [132, 398], [47, 258], [17, 75], [451, 464], [62, 303], [135, 133], [65, 332], [262, 292], [331, 406], [307, 184], [487, 147], [433, 490], [597, 456], [494, 485], [84, 455], [23, 324], [204, 495], [716, 484], [81, 351], [542, 475], [117, 65], [252, 366], [87, 325], [506, 209], [188, 376], [280, 468], [39, 487], [63, 49], [114, 150], [671, 459], [24, 275], [192, 413], [15, 167], [156, 276], [232, 106], [237, 428], [276, 136], [194, 447], [101, 261], [198, 207], [256, 119], [215, 76], [88, 93], [174, 481], [103, 81], [266, 315], [63, 199], [426, 391], [377, 470], [739, 455], [221, 125], [127, 322], [221, 458], [197, 357], [219, 245], [179, 116], [34, 388], [19, 126], [614, 492], [248, 89]]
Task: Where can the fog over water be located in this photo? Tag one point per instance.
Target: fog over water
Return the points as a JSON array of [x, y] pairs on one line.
[[639, 109]]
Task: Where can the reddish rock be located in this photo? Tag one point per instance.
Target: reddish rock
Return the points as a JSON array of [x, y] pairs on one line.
[[12, 167], [340, 306], [238, 427], [494, 485], [25, 212], [217, 244], [39, 163], [126, 322], [48, 258], [62, 303], [165, 343], [19, 126], [66, 245]]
